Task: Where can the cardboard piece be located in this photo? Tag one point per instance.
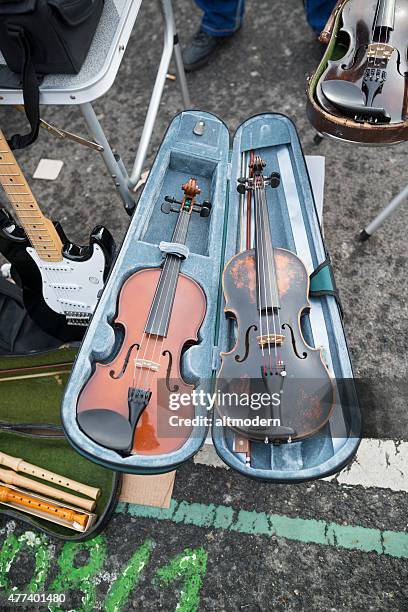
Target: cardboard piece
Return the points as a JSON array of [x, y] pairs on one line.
[[155, 490]]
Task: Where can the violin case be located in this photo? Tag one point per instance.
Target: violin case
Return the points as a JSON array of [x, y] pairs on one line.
[[345, 128], [197, 144], [34, 369]]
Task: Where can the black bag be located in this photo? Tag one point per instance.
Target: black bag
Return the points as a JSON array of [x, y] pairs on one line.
[[19, 335], [39, 37]]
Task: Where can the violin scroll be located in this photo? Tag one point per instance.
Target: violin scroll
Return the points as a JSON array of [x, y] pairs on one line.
[[188, 203]]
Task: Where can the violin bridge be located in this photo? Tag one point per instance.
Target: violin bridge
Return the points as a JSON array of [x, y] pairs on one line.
[[270, 340], [147, 364], [380, 51]]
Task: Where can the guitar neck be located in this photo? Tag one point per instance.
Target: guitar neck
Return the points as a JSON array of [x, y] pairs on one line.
[[40, 231]]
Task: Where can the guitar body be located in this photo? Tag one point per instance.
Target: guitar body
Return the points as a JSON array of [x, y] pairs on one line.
[[50, 290], [362, 96], [308, 395]]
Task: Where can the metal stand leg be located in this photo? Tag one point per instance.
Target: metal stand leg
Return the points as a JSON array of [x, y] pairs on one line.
[[384, 214], [116, 170], [170, 44], [181, 75]]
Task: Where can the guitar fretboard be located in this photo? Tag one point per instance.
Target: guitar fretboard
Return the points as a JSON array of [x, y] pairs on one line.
[[40, 230]]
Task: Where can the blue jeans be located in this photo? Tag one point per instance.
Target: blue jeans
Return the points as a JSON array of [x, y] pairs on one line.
[[224, 17], [221, 17], [318, 12]]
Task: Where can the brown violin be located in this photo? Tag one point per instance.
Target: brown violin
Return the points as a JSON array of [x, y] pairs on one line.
[[272, 386], [360, 90], [124, 406]]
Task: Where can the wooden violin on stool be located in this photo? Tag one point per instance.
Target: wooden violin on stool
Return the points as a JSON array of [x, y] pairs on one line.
[[362, 96], [266, 293], [161, 311]]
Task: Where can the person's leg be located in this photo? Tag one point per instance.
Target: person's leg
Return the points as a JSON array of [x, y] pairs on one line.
[[221, 19], [318, 12]]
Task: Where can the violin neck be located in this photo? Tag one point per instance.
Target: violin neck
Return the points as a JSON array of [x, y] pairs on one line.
[[384, 18], [162, 305], [267, 287]]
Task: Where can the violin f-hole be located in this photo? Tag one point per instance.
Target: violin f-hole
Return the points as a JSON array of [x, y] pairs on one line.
[[168, 373], [242, 359], [304, 354], [125, 363]]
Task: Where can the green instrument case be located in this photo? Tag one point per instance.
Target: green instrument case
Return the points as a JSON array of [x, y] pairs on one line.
[[32, 383]]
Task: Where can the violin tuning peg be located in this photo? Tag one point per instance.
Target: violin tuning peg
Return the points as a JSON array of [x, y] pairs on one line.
[[166, 207], [205, 209], [274, 180]]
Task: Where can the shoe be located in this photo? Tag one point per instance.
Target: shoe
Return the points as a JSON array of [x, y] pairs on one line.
[[200, 48]]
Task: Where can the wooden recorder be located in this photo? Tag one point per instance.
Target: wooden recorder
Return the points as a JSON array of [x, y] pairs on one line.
[[43, 507]]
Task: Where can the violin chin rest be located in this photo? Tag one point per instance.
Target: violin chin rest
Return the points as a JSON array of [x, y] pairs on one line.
[[350, 99], [107, 428]]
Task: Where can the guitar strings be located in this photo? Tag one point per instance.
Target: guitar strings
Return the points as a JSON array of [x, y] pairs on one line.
[[9, 189]]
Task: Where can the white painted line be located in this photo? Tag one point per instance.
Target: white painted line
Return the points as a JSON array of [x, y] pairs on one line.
[[379, 463]]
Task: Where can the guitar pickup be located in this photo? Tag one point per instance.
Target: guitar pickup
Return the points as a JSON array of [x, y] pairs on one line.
[[270, 340], [77, 318], [147, 364]]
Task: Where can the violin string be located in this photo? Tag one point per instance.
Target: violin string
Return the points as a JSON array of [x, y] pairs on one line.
[[383, 7], [171, 274], [263, 256], [144, 342], [265, 221], [276, 287], [273, 285], [258, 270]]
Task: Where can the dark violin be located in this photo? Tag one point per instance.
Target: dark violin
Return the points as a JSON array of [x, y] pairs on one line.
[[368, 82], [122, 406], [266, 292]]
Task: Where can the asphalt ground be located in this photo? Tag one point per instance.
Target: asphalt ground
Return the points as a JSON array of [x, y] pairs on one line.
[[191, 557]]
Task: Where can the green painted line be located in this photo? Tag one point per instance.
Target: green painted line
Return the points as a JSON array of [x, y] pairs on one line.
[[307, 531]]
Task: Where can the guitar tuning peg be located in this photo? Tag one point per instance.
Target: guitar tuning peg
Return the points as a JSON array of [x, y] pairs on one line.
[[241, 188]]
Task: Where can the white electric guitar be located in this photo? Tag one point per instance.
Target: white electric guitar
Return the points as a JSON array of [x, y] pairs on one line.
[[61, 281]]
